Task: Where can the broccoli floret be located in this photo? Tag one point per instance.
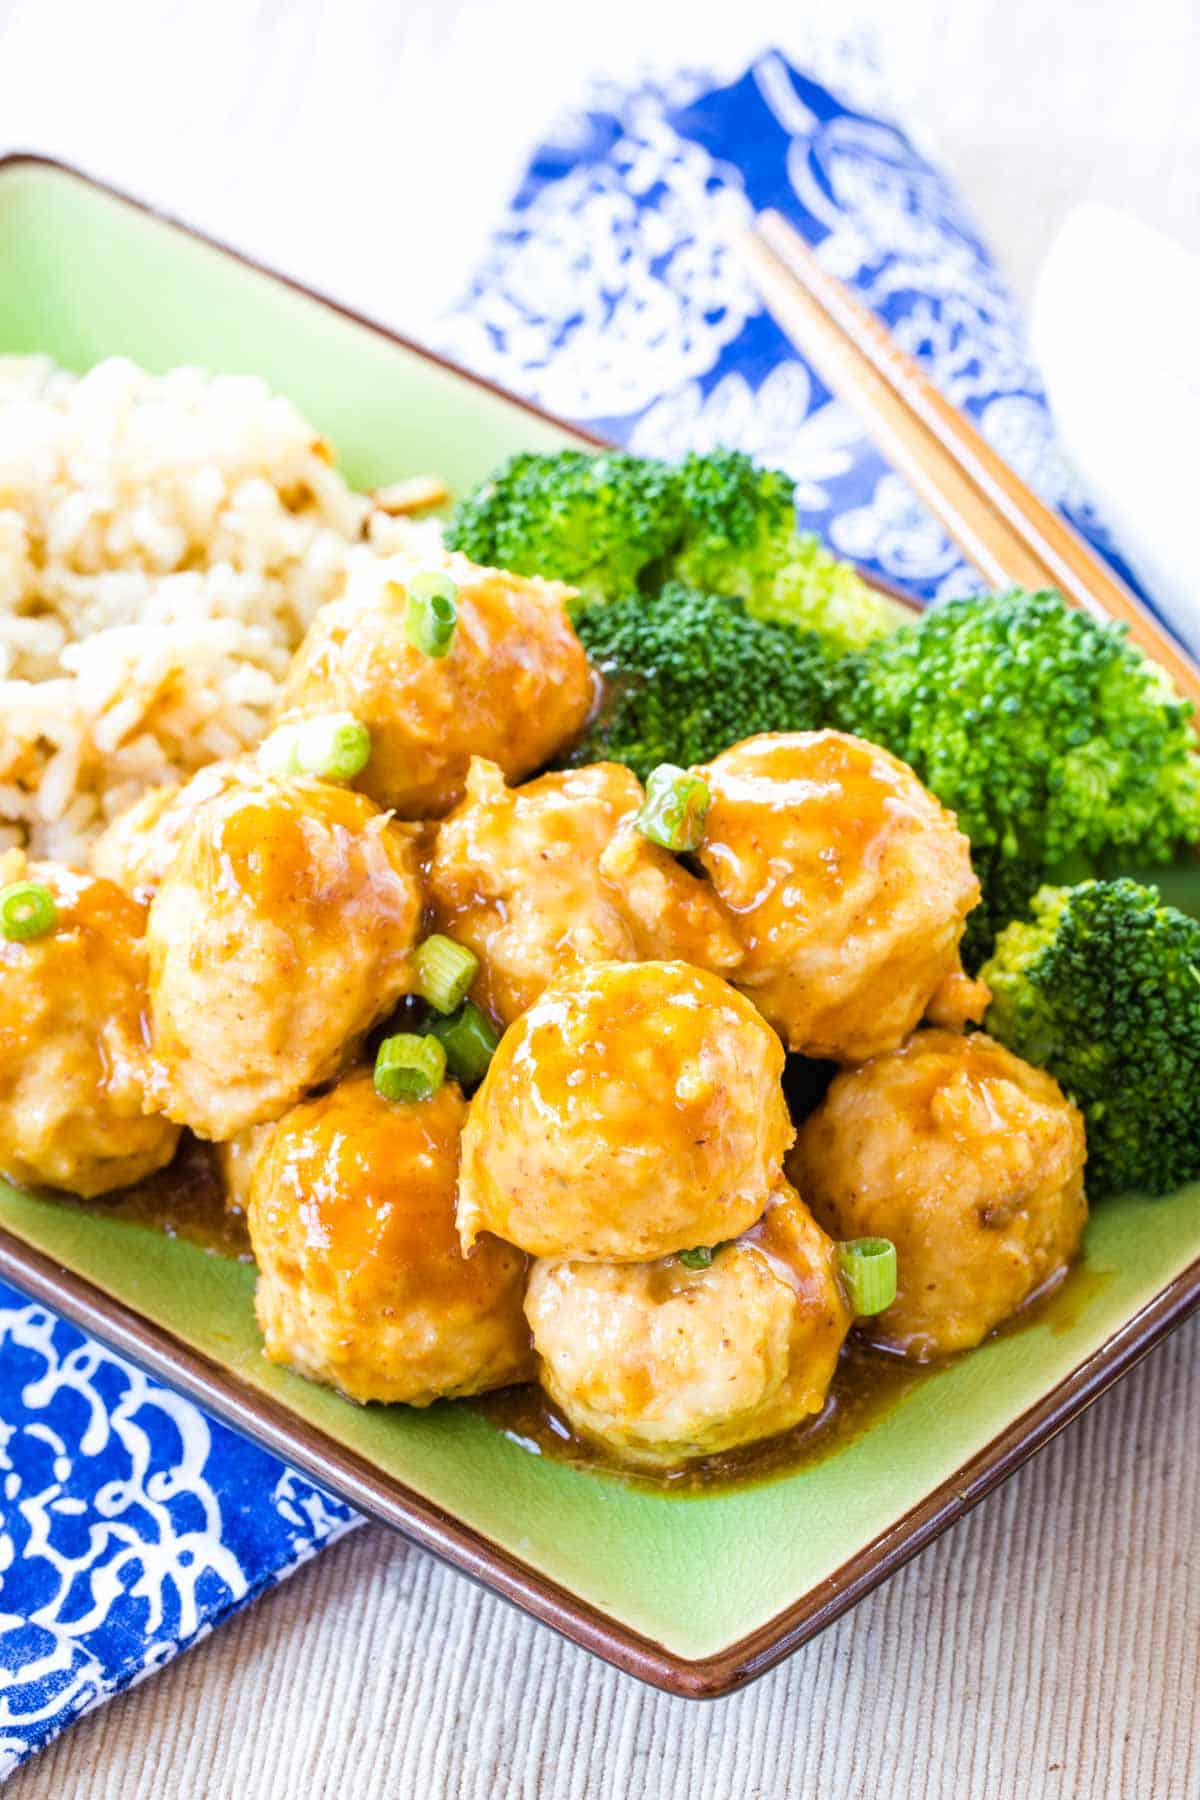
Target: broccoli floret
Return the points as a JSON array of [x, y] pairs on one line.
[[739, 523], [740, 538], [814, 589], [1063, 750], [687, 674], [595, 520], [1102, 988], [1008, 885], [612, 524]]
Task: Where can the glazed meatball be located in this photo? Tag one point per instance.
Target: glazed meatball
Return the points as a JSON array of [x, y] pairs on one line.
[[137, 849], [514, 686], [634, 1110], [675, 916], [73, 1065], [519, 876], [970, 1161], [362, 1283], [663, 1363], [849, 884], [281, 932]]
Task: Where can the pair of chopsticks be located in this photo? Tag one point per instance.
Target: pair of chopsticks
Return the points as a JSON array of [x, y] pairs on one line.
[[998, 522]]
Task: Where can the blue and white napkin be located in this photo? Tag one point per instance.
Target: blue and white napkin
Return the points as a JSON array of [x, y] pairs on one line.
[[132, 1524], [612, 296]]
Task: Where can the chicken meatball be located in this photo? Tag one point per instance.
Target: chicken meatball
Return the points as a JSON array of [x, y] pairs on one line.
[[519, 876], [662, 1363], [73, 1063], [849, 885], [970, 1161], [514, 685], [136, 850], [281, 932], [362, 1282], [634, 1110]]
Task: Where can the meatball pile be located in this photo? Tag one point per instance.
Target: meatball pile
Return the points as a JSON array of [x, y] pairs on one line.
[[635, 1113], [494, 1060]]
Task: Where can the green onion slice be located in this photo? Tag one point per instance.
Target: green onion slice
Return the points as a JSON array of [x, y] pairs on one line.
[[331, 746], [431, 613], [868, 1267], [675, 808], [409, 1067], [700, 1258], [445, 970], [277, 753], [469, 1039], [27, 910]]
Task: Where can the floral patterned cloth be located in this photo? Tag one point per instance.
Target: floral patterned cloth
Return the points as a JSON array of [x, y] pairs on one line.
[[613, 295], [131, 1523]]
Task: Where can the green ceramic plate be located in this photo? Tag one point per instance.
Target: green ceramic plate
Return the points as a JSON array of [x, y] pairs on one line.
[[697, 1594]]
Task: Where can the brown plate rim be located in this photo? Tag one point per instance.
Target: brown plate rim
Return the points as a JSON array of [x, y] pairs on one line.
[[370, 1491]]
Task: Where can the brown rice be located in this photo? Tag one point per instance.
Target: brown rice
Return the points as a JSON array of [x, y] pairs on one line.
[[164, 542]]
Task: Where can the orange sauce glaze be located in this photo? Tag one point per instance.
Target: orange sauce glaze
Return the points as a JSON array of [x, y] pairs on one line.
[[186, 1201]]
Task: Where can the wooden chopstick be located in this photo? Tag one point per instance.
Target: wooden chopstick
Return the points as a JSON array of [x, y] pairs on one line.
[[996, 520]]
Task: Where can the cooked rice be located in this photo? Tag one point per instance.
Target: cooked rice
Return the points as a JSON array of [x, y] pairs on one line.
[[164, 543]]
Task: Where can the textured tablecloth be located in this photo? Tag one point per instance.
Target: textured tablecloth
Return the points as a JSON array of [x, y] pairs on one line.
[[1045, 1649]]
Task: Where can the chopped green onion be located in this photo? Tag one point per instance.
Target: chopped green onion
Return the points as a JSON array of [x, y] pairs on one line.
[[675, 808], [409, 1067], [700, 1258], [337, 747], [868, 1268], [431, 613], [27, 910], [277, 753], [445, 970], [469, 1039], [332, 746]]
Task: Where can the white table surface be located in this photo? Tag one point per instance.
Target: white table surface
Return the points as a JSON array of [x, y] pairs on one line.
[[1046, 1647]]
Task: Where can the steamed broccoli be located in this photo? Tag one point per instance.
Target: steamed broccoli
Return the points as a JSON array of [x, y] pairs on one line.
[[740, 538], [613, 524], [738, 525], [595, 520], [1103, 989], [1064, 751], [688, 674], [816, 589]]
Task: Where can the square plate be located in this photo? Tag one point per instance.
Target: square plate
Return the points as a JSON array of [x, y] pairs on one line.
[[697, 1593]]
